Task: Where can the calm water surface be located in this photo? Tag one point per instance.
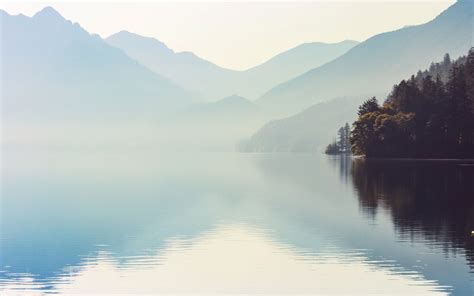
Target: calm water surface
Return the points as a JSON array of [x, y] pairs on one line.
[[140, 222]]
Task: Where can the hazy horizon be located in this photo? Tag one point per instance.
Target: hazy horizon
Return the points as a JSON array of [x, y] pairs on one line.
[[237, 43]]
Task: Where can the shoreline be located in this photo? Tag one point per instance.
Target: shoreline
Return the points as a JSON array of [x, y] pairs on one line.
[[468, 160]]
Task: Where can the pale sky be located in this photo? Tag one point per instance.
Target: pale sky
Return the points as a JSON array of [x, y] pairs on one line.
[[239, 34]]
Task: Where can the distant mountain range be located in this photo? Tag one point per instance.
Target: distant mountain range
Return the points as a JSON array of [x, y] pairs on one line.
[[185, 68], [54, 69], [306, 131], [373, 66], [290, 64], [212, 82], [369, 69]]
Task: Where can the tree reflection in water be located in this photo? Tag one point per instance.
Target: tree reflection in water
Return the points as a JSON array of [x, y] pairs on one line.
[[428, 200]]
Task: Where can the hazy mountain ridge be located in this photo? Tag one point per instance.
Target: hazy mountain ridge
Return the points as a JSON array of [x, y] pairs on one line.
[[375, 64], [214, 82], [214, 125], [185, 68], [54, 69], [292, 63], [307, 131]]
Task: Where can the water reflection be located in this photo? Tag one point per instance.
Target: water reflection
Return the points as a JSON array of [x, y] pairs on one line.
[[230, 259], [141, 222], [427, 200], [343, 163]]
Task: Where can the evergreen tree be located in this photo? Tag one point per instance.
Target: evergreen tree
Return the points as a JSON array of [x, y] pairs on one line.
[[371, 105], [347, 141], [342, 145], [340, 141], [470, 78], [447, 60]]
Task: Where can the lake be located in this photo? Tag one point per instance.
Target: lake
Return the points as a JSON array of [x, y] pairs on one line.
[[95, 222]]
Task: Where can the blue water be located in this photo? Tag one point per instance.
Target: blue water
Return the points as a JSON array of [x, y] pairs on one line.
[[140, 222]]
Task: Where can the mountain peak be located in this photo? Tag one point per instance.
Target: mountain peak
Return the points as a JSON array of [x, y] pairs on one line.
[[125, 37], [124, 33], [48, 13]]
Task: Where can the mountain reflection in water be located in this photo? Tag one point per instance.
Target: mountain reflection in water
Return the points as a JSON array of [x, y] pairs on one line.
[[140, 222]]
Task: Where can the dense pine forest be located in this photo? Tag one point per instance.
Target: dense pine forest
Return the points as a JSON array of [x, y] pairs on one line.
[[431, 115]]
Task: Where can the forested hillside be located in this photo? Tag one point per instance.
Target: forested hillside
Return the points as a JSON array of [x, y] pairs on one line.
[[427, 116]]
